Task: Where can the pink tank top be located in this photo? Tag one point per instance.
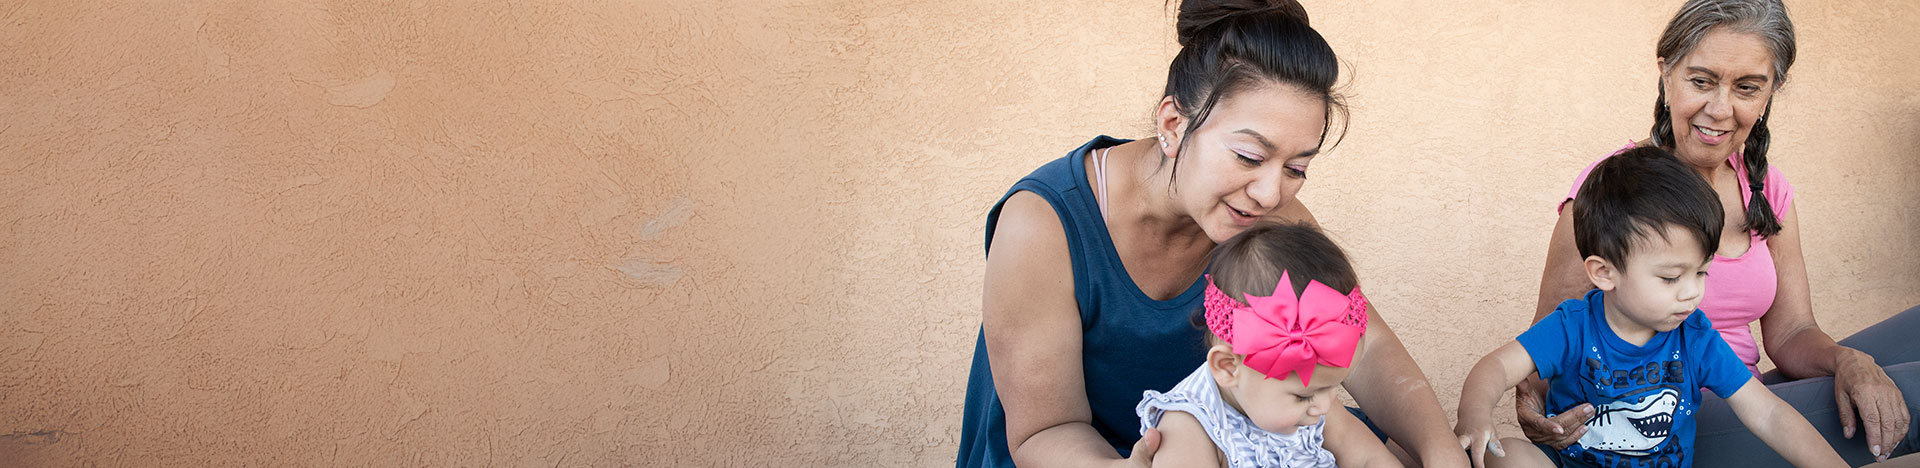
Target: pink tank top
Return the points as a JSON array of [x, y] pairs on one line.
[[1741, 289]]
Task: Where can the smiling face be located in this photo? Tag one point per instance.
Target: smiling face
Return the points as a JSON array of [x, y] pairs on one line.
[[1249, 158], [1716, 93]]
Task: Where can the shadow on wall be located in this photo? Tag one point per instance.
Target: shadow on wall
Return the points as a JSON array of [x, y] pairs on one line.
[[33, 448]]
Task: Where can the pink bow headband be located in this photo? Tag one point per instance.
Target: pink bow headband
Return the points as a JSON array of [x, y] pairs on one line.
[[1282, 333]]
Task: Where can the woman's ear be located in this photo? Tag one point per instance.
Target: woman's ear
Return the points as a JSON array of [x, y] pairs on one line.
[[1664, 70], [1602, 273], [1168, 123], [1224, 365]]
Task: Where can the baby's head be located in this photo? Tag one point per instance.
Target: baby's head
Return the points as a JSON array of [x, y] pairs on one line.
[[1647, 226], [1286, 314]]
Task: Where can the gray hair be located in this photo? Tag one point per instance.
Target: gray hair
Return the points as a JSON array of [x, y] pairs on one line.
[[1764, 18]]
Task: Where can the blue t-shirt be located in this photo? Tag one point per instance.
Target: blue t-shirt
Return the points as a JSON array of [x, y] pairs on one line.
[[1643, 396]]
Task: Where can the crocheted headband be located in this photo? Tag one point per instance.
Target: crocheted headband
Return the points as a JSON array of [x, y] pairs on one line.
[[1282, 333]]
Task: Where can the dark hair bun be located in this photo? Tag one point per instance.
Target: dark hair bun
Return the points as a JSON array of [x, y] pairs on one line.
[[1197, 17]]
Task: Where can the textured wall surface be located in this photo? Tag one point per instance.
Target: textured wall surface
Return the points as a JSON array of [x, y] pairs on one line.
[[745, 233]]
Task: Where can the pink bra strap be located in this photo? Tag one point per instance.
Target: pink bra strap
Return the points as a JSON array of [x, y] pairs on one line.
[[1100, 178]]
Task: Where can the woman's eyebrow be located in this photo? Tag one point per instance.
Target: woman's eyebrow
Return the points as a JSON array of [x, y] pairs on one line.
[[1711, 74], [1268, 145], [1257, 137]]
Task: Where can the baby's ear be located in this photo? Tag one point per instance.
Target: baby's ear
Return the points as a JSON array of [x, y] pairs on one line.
[[1602, 273], [1223, 364]]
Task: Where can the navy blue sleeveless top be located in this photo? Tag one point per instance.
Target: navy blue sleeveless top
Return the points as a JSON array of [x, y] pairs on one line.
[[1130, 342]]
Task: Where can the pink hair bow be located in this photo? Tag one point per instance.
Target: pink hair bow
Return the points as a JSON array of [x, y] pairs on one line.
[[1281, 333]]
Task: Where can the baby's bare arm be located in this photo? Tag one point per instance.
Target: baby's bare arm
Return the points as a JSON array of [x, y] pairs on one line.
[[1183, 443]]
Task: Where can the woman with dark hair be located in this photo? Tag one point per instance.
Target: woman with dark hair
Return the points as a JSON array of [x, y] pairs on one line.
[[1095, 260], [1720, 63]]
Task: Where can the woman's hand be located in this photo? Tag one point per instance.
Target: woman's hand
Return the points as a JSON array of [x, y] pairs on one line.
[[1861, 387], [1529, 408], [1143, 450]]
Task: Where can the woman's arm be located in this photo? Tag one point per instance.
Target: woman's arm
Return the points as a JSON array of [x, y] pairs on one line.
[[1802, 350], [1793, 339], [1389, 384], [1352, 444], [1780, 426], [1564, 278], [1032, 327]]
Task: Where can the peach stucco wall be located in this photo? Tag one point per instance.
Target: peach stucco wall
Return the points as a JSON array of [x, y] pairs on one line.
[[745, 233]]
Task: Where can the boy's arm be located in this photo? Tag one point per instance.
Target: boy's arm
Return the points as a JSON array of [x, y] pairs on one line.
[[1490, 378], [1183, 443], [1352, 444], [1781, 427]]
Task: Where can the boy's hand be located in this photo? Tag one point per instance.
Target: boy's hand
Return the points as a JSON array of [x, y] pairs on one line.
[[1479, 438]]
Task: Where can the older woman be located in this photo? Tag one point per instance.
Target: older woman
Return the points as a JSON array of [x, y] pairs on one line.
[[1720, 62], [1095, 259]]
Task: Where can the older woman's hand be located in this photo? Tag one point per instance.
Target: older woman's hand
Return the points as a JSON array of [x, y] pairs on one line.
[[1861, 387], [1529, 410]]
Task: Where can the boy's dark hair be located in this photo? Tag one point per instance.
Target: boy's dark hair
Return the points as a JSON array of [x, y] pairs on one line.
[[1643, 191]]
